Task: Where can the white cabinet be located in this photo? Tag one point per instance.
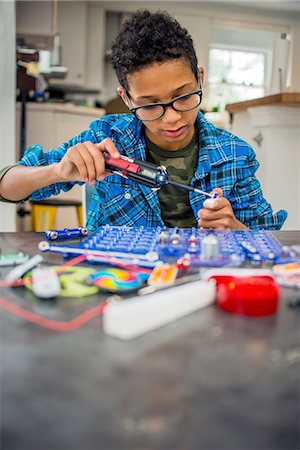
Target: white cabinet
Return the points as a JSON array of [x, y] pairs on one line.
[[36, 18], [274, 122], [72, 26], [81, 28], [36, 23]]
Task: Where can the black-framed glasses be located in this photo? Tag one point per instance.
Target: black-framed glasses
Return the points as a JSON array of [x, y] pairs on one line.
[[154, 111]]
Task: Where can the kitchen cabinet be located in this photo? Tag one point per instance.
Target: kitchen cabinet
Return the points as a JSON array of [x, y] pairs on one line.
[[72, 26], [36, 22], [81, 30], [274, 123]]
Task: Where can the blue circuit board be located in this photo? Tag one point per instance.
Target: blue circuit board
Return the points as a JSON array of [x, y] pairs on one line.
[[203, 247]]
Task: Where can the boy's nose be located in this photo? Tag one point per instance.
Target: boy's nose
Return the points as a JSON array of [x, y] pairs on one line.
[[171, 115]]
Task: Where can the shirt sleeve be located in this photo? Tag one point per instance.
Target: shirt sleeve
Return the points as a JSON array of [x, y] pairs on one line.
[[35, 156], [249, 204]]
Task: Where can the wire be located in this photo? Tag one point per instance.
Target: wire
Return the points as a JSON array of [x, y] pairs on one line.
[[54, 325], [20, 281]]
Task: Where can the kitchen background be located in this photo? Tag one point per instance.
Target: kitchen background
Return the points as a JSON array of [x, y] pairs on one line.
[[237, 43]]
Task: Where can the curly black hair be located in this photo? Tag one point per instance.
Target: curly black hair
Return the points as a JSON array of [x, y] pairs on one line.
[[148, 37]]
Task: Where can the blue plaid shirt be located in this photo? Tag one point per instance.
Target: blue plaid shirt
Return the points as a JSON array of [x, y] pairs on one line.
[[225, 161]]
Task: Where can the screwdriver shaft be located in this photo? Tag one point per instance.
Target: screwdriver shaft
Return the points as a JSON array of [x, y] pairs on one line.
[[190, 188]]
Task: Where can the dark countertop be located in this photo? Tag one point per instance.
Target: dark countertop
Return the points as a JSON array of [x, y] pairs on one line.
[[208, 381]]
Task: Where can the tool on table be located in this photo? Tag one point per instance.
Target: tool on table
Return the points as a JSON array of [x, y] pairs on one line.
[[146, 173], [66, 233], [19, 271]]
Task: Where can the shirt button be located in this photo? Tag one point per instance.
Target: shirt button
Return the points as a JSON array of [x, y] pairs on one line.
[[127, 196]]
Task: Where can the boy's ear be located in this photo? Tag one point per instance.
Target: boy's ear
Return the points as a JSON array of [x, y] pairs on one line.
[[121, 92], [201, 73]]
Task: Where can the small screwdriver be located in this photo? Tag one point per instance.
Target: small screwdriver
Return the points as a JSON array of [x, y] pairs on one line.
[[146, 173], [192, 189]]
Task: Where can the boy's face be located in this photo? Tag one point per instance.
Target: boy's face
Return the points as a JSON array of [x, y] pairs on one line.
[[162, 82]]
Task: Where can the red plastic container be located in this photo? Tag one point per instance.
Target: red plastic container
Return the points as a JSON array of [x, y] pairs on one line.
[[249, 295]]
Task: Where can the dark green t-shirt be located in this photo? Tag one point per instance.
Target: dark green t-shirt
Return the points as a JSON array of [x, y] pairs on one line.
[[181, 165]]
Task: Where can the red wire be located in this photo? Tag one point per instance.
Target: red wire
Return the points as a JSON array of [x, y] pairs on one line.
[[54, 325], [71, 262]]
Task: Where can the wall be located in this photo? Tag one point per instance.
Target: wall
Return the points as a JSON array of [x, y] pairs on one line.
[[7, 105]]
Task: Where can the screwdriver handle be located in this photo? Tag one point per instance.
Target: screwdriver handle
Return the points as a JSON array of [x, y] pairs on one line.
[[123, 163]]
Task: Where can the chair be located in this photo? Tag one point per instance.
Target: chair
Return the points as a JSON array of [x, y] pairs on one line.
[[43, 212]]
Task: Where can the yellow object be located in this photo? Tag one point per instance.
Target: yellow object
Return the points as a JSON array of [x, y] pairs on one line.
[[163, 275], [72, 281], [43, 213], [32, 68]]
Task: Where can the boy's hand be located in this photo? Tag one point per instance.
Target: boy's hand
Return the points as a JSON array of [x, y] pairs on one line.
[[218, 214], [85, 162]]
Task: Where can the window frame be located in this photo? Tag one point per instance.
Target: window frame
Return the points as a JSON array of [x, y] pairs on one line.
[[267, 54]]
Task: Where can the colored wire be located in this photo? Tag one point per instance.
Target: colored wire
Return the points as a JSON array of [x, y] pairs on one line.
[[70, 263], [54, 325], [115, 262]]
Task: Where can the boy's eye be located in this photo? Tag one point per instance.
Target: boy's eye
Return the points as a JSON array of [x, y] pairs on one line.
[[151, 107], [184, 100]]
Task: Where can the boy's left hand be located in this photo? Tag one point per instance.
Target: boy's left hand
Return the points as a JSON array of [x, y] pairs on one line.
[[218, 214]]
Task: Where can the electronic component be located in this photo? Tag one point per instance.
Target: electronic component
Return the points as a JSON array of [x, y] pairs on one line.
[[164, 236], [175, 237], [13, 259], [129, 318], [45, 282], [72, 281], [247, 292], [210, 247], [163, 275], [66, 233], [149, 246], [288, 274], [117, 280]]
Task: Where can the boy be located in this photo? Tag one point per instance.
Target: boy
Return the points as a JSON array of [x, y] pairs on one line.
[[160, 82]]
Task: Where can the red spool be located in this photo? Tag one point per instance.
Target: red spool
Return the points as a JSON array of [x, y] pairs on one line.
[[249, 295]]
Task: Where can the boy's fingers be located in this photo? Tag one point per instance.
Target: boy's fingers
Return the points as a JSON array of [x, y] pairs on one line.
[[213, 203], [98, 159], [219, 191], [89, 162], [108, 145], [74, 155]]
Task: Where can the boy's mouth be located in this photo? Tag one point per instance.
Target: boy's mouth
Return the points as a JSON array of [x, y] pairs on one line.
[[175, 133]]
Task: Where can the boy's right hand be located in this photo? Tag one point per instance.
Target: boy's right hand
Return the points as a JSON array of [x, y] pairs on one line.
[[85, 162]]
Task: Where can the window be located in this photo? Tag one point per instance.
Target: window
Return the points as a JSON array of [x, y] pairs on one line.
[[235, 75]]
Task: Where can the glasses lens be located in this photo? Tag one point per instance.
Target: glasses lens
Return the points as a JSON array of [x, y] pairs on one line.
[[187, 103], [150, 112]]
